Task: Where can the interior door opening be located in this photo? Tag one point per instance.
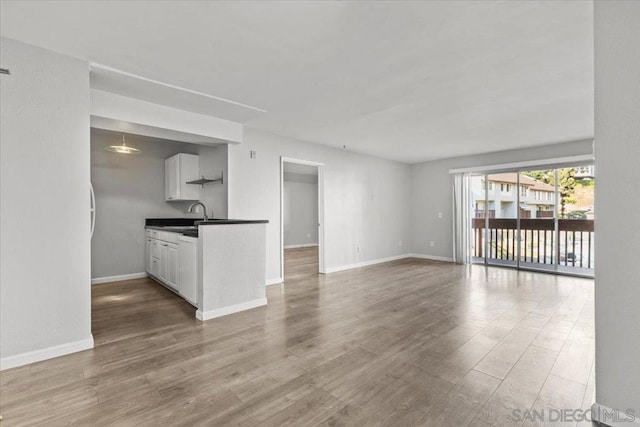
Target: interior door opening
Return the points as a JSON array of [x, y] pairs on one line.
[[301, 190]]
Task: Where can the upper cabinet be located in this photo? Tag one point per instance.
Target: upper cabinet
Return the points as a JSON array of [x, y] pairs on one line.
[[178, 170]]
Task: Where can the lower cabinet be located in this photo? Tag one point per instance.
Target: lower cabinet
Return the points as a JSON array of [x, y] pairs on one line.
[[148, 257], [172, 265], [174, 262], [187, 268], [169, 264], [155, 267]]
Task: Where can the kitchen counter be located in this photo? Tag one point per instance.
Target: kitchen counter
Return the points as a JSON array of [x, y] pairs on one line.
[[189, 226], [220, 270]]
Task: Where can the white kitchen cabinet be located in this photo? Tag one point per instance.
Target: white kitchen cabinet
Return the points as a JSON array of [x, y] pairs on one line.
[[187, 268], [164, 262], [155, 249], [169, 264], [148, 257], [162, 259], [172, 260], [178, 170], [172, 265], [155, 267]]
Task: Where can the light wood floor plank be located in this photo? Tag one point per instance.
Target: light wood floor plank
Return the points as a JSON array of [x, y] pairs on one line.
[[410, 342]]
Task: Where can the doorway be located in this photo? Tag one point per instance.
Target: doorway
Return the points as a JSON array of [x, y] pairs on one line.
[[301, 218], [535, 219]]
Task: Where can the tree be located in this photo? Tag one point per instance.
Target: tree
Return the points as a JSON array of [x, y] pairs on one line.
[[566, 184]]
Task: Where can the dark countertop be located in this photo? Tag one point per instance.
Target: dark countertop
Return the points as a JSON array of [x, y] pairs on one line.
[[170, 222], [189, 226], [232, 221]]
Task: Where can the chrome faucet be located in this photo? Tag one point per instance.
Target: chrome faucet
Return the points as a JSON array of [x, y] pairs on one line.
[[204, 210]]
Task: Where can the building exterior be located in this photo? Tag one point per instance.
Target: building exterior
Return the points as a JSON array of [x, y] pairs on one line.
[[537, 199], [585, 172]]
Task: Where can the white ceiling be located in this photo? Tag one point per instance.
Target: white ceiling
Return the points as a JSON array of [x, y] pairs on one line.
[[409, 81]]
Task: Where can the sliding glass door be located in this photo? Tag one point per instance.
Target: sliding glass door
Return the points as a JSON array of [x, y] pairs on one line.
[[534, 219]]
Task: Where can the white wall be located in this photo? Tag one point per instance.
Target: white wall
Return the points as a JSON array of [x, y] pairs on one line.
[[213, 161], [366, 199], [300, 207], [431, 189], [129, 189], [617, 146], [156, 120], [45, 297]]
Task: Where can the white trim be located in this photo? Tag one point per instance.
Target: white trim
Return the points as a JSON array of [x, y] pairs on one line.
[[108, 279], [304, 245], [219, 312], [275, 281], [45, 353], [96, 66], [526, 164], [321, 245], [597, 409], [432, 257], [366, 263]]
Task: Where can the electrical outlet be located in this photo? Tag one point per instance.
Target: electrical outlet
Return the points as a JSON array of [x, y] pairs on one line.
[[432, 243], [400, 243], [308, 235], [440, 215], [252, 154], [358, 249]]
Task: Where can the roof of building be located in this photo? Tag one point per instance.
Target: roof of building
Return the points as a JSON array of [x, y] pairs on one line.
[[541, 186]]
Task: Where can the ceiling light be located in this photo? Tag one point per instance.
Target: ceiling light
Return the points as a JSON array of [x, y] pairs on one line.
[[122, 149]]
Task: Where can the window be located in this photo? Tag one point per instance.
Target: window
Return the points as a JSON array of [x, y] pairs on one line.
[[524, 191], [490, 186], [505, 188]]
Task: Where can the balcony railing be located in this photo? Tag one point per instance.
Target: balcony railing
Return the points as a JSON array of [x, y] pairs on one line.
[[537, 241]]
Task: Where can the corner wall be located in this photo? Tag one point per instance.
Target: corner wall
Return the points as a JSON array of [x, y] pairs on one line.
[[617, 146], [45, 283]]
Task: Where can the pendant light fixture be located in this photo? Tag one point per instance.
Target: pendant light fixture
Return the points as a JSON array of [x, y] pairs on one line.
[[122, 149]]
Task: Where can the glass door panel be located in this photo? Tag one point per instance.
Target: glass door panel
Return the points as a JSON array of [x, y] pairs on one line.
[[477, 186], [576, 220], [502, 219], [537, 220]]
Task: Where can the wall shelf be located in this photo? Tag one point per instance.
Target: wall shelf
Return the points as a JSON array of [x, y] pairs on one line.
[[202, 181]]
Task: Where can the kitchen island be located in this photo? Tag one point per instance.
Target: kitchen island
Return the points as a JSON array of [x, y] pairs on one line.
[[219, 266]]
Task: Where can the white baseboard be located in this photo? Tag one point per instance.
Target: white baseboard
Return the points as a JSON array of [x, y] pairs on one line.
[[99, 280], [598, 414], [432, 257], [45, 353], [275, 281], [365, 263], [305, 245], [219, 312]]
